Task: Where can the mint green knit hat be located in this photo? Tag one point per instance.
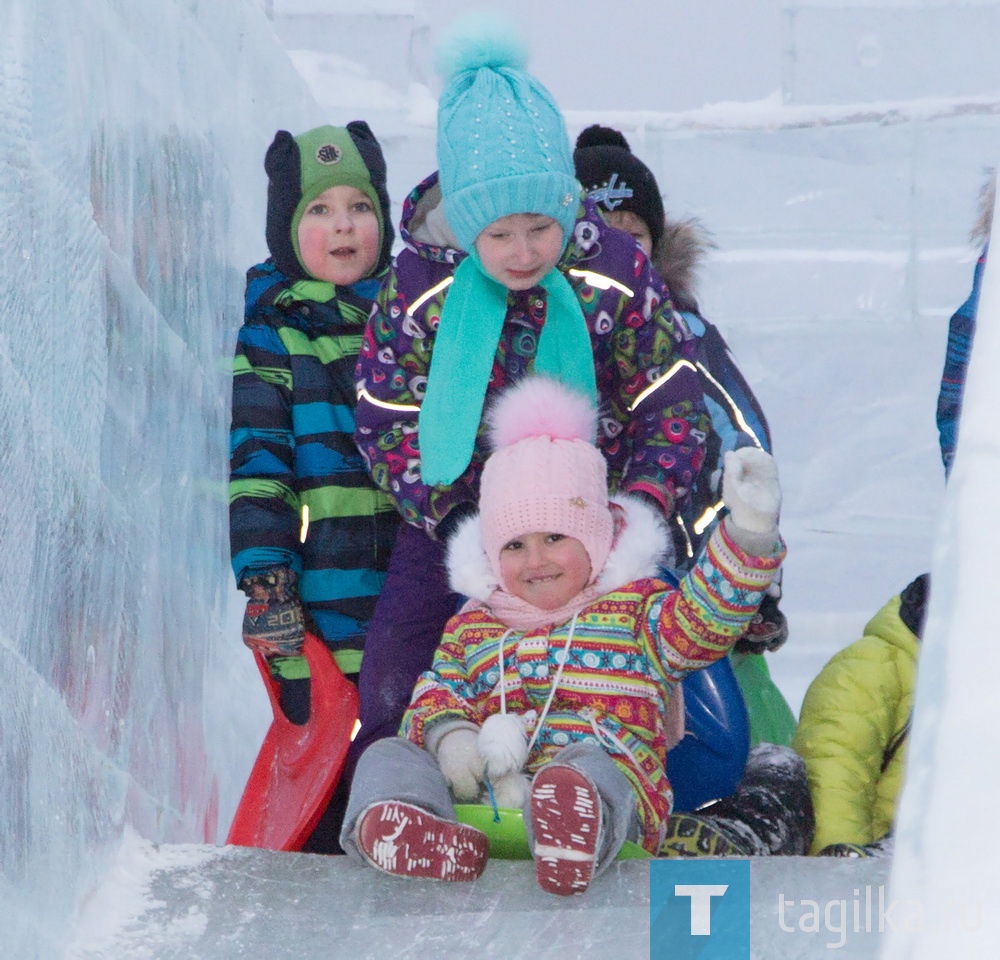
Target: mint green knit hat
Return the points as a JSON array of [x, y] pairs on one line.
[[502, 149], [502, 145]]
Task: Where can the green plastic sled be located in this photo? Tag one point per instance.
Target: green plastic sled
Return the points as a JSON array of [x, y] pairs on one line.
[[508, 840], [771, 718]]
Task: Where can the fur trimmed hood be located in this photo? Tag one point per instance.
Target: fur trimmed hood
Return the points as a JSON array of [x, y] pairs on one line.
[[679, 256], [640, 545]]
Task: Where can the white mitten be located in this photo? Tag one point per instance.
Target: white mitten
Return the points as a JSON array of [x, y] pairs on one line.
[[461, 763], [511, 790], [751, 490], [503, 743]]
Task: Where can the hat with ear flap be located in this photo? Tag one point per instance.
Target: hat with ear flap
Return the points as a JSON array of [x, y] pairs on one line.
[[546, 474], [300, 168], [616, 178]]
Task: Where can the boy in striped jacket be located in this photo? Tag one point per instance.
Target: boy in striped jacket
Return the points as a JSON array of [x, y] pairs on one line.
[[310, 534], [554, 688]]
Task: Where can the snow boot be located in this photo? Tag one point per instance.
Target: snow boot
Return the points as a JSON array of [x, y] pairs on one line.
[[406, 841], [770, 814], [691, 835], [566, 821]]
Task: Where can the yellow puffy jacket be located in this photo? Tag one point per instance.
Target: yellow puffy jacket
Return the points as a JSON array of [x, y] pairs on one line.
[[853, 713]]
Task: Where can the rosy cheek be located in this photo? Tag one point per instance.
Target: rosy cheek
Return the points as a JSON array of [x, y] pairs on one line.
[[311, 245]]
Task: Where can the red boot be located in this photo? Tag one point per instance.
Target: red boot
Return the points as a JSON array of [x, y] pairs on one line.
[[409, 842], [566, 818]]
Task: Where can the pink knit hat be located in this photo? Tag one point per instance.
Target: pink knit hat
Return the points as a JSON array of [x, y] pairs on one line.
[[545, 474]]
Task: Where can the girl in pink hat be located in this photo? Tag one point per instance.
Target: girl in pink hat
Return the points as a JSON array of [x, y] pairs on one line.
[[555, 688]]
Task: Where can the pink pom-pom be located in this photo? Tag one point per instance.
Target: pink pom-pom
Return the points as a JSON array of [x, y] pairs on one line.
[[541, 407]]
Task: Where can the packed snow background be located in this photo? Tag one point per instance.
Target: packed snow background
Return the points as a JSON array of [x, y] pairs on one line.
[[835, 151]]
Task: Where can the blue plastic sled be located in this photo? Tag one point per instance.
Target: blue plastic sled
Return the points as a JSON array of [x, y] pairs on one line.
[[708, 763]]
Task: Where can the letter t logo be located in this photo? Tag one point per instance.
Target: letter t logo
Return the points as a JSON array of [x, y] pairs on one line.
[[701, 904]]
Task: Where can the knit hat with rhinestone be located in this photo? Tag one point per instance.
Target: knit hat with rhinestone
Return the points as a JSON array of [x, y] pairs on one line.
[[502, 145], [616, 178], [502, 149], [300, 168]]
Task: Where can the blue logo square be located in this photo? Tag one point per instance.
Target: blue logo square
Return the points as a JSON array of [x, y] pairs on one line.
[[699, 909]]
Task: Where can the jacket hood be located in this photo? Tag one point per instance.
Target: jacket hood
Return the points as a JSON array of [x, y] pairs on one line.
[[640, 545], [889, 627], [423, 227], [679, 256]]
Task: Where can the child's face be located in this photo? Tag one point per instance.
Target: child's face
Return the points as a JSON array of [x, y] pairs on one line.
[[631, 223], [518, 250], [545, 569], [339, 236]]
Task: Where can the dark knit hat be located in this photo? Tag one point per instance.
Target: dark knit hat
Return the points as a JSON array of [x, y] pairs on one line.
[[300, 168], [616, 178]]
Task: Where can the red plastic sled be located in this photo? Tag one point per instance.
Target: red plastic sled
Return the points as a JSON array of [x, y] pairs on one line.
[[298, 767]]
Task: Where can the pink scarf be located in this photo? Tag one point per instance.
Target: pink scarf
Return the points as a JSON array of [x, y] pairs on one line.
[[520, 615]]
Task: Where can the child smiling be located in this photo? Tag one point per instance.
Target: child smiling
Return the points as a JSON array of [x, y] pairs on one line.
[[553, 688]]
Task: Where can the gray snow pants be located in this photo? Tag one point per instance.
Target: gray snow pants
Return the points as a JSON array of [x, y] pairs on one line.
[[396, 769]]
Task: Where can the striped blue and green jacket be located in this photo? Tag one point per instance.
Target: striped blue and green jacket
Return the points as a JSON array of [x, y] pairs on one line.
[[299, 493]]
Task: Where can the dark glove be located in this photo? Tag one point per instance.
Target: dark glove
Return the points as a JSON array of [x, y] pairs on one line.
[[767, 631], [274, 622]]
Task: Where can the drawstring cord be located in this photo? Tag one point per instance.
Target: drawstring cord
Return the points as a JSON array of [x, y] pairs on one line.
[[611, 740], [503, 710], [555, 684], [501, 660]]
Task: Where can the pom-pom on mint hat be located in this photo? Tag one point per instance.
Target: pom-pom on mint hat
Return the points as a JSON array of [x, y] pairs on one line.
[[502, 149], [616, 178], [300, 168], [545, 474]]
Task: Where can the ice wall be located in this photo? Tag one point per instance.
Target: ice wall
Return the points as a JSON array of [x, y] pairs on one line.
[[132, 134], [132, 137], [945, 874]]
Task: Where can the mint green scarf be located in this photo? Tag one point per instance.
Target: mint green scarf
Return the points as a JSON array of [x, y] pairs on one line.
[[464, 349]]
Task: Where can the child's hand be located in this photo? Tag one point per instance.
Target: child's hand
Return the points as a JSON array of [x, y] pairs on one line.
[[274, 622], [751, 490], [461, 763]]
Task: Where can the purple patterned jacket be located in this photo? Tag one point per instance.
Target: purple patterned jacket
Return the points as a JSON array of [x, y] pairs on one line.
[[653, 420]]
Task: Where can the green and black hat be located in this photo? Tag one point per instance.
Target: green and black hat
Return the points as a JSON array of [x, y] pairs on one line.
[[300, 168]]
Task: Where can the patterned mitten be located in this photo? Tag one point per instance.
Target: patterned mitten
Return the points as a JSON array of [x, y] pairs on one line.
[[274, 623]]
